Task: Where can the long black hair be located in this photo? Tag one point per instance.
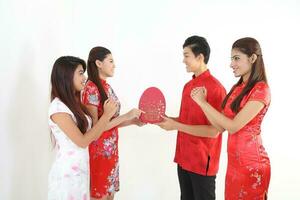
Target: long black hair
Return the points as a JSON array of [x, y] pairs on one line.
[[97, 53], [62, 86], [248, 46]]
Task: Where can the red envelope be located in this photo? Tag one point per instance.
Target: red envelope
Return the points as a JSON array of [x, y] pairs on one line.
[[153, 103]]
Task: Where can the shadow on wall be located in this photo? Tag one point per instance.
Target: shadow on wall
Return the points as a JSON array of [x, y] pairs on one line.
[[28, 132]]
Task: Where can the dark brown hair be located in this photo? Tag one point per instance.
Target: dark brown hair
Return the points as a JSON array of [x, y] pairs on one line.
[[63, 88], [97, 53], [248, 46]]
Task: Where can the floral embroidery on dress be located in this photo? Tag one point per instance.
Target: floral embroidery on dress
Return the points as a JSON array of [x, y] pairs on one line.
[[113, 179], [248, 173], [242, 193], [113, 95], [93, 99], [254, 173], [110, 146], [103, 151], [69, 174]]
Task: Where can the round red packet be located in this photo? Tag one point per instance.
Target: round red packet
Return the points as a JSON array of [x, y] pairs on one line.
[[153, 103]]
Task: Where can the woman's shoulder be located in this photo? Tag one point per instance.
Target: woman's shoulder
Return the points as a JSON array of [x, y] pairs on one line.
[[260, 91], [90, 83], [90, 87], [261, 85], [57, 106], [56, 102]]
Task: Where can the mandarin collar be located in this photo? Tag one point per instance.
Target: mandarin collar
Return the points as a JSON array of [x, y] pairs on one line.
[[103, 82], [202, 75], [243, 84]]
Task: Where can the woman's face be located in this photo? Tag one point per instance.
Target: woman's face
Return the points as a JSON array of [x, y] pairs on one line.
[[240, 63], [190, 60], [107, 67], [79, 78]]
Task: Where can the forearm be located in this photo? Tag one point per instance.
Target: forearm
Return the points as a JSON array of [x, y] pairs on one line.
[[126, 123], [96, 131], [197, 130], [216, 118], [116, 121], [214, 123], [119, 121], [174, 118]]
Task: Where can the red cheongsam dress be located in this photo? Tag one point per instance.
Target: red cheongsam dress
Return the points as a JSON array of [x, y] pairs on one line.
[[248, 171], [104, 158]]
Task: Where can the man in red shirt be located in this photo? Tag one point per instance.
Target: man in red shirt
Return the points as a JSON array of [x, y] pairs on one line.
[[197, 157]]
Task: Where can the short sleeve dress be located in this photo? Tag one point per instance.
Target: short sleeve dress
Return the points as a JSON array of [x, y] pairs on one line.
[[248, 171], [69, 175], [104, 157]]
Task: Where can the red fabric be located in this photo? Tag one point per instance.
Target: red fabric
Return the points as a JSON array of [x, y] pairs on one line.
[[199, 154], [104, 158], [248, 170]]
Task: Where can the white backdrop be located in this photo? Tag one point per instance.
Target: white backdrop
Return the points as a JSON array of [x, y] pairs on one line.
[[146, 40]]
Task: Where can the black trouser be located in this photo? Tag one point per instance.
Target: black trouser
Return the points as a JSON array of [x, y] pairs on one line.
[[195, 186]]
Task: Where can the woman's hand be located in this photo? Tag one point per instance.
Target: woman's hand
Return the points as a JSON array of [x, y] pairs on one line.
[[199, 94], [137, 122], [109, 108], [134, 113]]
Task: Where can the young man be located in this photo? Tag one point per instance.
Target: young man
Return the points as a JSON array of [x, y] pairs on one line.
[[197, 157]]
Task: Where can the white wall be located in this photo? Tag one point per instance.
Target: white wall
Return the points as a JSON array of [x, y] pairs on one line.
[[146, 40]]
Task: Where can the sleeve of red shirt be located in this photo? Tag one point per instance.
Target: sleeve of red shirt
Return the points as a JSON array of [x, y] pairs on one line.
[[260, 92], [216, 97], [91, 95]]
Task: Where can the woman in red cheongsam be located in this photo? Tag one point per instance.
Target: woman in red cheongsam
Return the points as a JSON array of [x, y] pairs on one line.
[[104, 158], [248, 170]]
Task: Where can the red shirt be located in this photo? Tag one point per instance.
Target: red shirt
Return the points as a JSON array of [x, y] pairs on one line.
[[194, 153]]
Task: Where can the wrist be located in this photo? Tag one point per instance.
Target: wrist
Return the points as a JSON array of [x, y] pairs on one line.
[[176, 125], [105, 117], [202, 103], [127, 116]]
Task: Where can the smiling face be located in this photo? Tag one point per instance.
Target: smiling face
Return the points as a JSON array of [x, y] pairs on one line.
[[241, 64], [106, 67], [191, 61], [79, 78]]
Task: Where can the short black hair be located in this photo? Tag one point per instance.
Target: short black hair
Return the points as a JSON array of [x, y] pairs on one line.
[[198, 45]]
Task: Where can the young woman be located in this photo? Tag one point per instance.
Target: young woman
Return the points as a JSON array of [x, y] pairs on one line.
[[248, 170], [104, 158], [70, 125]]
